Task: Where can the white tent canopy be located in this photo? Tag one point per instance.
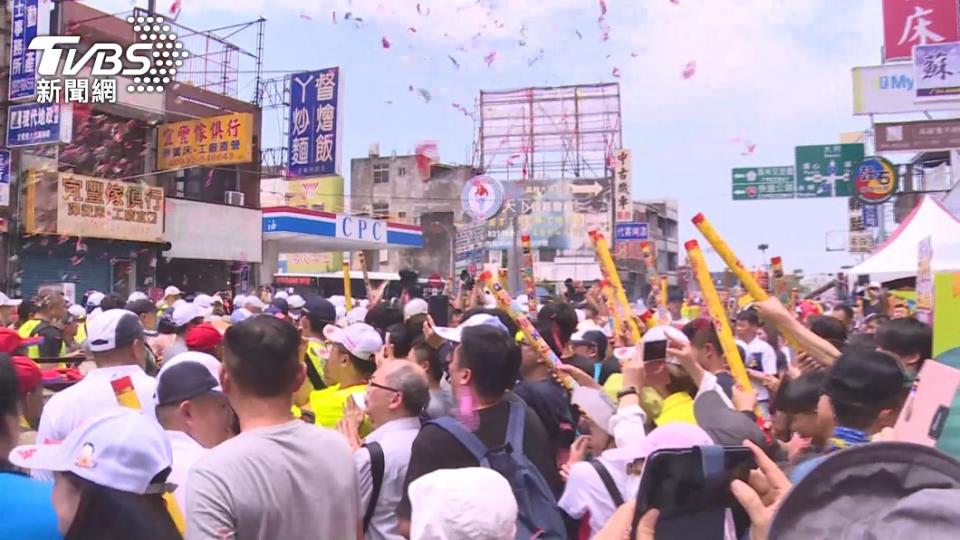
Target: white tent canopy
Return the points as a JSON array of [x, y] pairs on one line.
[[897, 257]]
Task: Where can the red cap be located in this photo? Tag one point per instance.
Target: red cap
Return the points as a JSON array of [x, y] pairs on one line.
[[691, 244], [485, 276], [697, 219], [525, 237], [28, 374], [203, 337], [775, 260], [10, 340]]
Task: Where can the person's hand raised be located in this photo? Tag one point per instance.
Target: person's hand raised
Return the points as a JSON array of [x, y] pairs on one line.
[[632, 369], [743, 400], [763, 495], [772, 310], [577, 374], [430, 335]]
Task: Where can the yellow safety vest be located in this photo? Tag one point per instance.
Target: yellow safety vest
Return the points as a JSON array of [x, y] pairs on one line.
[[33, 351]]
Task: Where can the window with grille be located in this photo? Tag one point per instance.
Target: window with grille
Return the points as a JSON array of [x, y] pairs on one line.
[[381, 173]]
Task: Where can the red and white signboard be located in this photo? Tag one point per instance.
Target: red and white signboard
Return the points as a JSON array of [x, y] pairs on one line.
[[917, 22]]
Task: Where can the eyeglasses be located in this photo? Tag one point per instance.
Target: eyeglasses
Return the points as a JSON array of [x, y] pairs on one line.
[[378, 385]]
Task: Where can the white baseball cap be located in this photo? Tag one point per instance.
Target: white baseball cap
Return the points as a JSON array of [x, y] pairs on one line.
[[179, 302], [77, 311], [212, 364], [6, 301], [216, 299], [204, 303], [417, 306], [239, 300], [122, 450], [253, 300], [136, 295], [95, 298], [112, 329], [184, 313], [171, 290], [445, 506], [480, 319], [356, 315], [282, 294], [360, 339], [295, 301]]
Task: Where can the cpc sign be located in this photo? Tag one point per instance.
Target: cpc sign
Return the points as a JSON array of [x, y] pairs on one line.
[[358, 228], [875, 181]]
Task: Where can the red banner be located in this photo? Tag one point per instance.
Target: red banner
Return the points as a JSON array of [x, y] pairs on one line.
[[917, 22]]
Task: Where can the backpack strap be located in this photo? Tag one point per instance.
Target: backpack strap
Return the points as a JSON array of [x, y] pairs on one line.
[[515, 424], [376, 470], [469, 441], [608, 483]]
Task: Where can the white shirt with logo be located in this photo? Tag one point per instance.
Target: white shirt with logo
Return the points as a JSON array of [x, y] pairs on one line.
[[88, 398], [761, 357]]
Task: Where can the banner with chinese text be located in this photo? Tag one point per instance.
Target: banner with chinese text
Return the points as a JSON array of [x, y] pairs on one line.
[[218, 140], [907, 23], [937, 71], [31, 124], [100, 208], [24, 19], [315, 121]]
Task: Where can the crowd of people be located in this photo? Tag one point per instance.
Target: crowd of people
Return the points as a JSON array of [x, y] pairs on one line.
[[277, 415]]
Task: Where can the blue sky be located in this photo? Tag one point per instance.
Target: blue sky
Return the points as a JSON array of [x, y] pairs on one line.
[[773, 72]]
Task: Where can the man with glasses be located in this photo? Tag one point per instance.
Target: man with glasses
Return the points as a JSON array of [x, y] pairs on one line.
[[396, 395], [350, 365]]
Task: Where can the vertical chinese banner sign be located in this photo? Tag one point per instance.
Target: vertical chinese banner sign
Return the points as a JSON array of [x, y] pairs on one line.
[[907, 23], [313, 148]]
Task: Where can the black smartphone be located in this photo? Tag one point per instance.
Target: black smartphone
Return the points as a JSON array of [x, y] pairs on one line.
[[439, 308], [655, 350], [691, 489]]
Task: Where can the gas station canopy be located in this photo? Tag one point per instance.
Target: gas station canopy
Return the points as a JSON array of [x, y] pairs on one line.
[[292, 230], [302, 230]]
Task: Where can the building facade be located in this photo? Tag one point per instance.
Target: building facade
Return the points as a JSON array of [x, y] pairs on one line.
[[392, 187], [106, 210]]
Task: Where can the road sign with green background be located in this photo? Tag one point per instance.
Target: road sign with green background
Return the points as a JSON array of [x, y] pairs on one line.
[[763, 183], [827, 170]]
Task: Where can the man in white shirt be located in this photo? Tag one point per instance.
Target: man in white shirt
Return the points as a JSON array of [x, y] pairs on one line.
[[194, 413], [397, 394], [115, 337], [761, 360]]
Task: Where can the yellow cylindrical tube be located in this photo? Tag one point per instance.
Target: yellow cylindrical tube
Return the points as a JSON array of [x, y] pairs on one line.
[[779, 281], [609, 271], [363, 268], [607, 291], [524, 323], [346, 285], [718, 314], [528, 278], [501, 279], [723, 250], [663, 292]]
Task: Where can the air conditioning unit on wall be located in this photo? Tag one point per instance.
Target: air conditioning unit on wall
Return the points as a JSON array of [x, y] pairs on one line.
[[233, 198]]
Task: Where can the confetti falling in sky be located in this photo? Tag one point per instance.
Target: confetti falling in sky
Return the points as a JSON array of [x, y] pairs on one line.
[[425, 94], [385, 42], [616, 72], [454, 61], [690, 69], [603, 8], [489, 58]]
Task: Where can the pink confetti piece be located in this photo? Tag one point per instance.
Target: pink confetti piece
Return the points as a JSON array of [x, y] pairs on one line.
[[604, 31], [385, 42], [425, 94], [412, 29], [616, 72], [603, 8], [334, 16], [454, 61], [210, 178], [690, 69], [489, 58], [175, 7], [675, 2], [419, 12], [305, 16]]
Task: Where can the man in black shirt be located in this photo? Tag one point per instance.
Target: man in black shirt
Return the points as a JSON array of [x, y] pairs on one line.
[[485, 366], [545, 396], [557, 322]]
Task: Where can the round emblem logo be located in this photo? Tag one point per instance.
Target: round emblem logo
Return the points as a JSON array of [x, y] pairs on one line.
[[876, 180], [482, 197]]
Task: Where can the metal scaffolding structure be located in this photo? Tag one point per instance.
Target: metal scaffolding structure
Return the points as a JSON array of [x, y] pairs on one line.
[[551, 147]]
